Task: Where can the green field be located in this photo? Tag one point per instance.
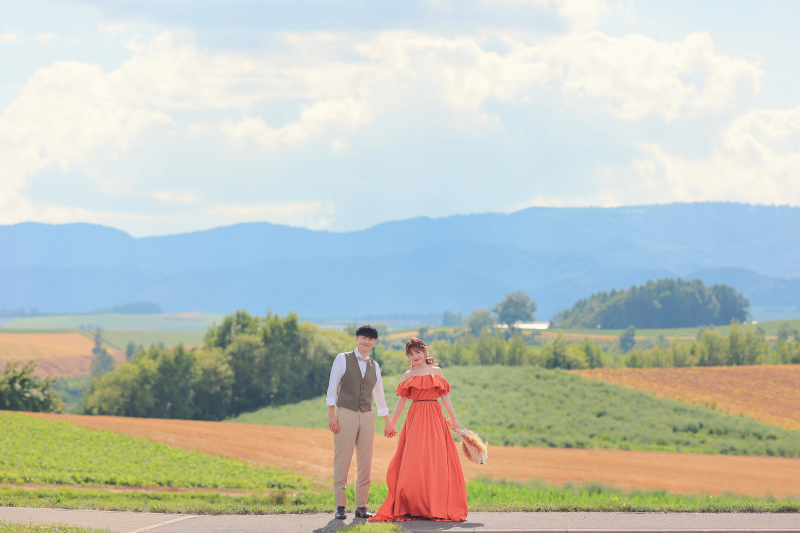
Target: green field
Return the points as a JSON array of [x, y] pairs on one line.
[[770, 328], [120, 338], [58, 453], [114, 321], [33, 450], [528, 406]]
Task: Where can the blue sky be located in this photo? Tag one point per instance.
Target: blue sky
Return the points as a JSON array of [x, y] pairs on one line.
[[170, 116]]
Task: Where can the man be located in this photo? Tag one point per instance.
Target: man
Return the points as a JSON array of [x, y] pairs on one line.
[[354, 379]]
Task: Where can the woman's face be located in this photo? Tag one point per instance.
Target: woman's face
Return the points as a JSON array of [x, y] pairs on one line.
[[417, 356]]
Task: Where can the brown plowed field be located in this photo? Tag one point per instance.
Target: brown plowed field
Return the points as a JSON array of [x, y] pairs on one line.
[[57, 354], [768, 393], [27, 346], [310, 452]]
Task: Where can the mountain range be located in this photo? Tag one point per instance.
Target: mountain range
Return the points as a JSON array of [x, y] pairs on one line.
[[415, 266]]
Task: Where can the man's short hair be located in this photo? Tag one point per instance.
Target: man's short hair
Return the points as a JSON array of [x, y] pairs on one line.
[[367, 330]]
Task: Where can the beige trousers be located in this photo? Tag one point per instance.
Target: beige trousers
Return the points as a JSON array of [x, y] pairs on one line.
[[356, 430]]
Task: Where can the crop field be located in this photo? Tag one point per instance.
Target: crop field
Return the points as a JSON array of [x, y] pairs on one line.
[[27, 346], [528, 406], [33, 450], [310, 453], [197, 322], [57, 354], [767, 393]]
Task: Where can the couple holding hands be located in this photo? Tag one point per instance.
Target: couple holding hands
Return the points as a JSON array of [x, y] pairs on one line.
[[425, 480]]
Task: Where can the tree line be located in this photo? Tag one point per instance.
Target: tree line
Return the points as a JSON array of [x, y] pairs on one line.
[[666, 303], [246, 362]]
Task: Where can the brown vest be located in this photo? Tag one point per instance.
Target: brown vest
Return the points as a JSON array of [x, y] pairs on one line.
[[355, 392]]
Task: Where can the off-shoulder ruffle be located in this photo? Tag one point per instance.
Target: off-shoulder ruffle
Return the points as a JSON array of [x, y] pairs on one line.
[[431, 381]]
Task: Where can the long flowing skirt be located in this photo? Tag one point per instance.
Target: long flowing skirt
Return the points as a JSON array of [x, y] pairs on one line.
[[425, 480]]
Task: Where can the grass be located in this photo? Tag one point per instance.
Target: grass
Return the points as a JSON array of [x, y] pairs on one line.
[[7, 527], [313, 413], [483, 495], [114, 321], [33, 450], [528, 406]]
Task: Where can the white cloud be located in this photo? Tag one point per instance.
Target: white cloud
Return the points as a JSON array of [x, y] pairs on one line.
[[71, 113], [755, 160], [46, 37], [632, 77], [64, 116], [346, 114], [175, 197], [579, 14], [9, 37], [637, 76]]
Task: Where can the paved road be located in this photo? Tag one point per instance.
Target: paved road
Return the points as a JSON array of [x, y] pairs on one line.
[[123, 522]]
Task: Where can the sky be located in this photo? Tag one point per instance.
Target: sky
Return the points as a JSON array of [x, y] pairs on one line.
[[171, 116]]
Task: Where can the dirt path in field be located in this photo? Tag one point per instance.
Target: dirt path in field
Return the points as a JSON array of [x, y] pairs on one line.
[[768, 393], [310, 452]]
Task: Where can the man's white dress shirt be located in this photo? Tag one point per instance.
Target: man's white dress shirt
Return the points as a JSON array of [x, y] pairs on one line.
[[337, 371]]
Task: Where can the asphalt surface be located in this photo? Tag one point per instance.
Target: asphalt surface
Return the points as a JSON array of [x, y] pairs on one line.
[[125, 522]]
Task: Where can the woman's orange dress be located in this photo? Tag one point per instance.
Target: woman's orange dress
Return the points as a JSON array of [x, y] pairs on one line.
[[424, 478]]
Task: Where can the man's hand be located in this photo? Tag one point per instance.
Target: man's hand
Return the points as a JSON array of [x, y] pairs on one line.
[[333, 423], [389, 430]]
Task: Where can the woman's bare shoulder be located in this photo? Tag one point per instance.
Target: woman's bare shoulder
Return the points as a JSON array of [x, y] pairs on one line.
[[406, 375], [438, 371]]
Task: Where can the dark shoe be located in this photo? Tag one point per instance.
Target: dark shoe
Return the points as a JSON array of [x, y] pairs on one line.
[[361, 512], [340, 513]]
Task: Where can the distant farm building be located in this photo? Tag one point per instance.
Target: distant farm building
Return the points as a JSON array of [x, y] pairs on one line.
[[527, 325]]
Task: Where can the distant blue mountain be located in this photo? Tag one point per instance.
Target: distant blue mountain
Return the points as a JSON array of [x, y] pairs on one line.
[[421, 265]]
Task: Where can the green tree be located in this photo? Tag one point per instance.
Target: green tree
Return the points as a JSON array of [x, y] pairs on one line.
[[22, 390], [450, 319], [156, 383], [593, 354], [240, 322], [213, 385], [102, 362], [515, 307], [627, 340], [131, 349], [666, 303], [561, 354], [516, 353], [478, 320]]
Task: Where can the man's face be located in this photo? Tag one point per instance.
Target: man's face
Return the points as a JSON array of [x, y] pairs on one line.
[[365, 344]]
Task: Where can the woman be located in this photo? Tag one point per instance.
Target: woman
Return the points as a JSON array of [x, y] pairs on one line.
[[424, 477]]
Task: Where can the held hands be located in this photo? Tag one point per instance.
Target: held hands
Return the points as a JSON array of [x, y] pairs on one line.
[[333, 423], [389, 430]]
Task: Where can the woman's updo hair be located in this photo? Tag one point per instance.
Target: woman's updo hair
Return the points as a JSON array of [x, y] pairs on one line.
[[418, 344]]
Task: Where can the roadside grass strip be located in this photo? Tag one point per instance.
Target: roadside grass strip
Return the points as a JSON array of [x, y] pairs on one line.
[[33, 450], [483, 495], [7, 527]]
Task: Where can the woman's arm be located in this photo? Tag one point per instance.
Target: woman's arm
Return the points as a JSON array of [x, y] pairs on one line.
[[398, 408], [449, 406]]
